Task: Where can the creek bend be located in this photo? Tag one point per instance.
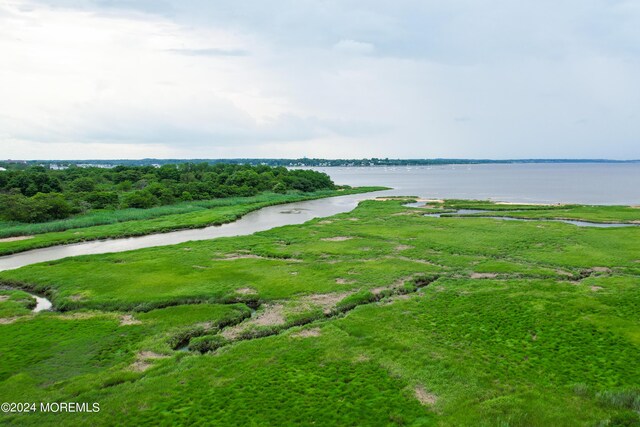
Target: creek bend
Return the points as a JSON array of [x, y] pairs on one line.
[[260, 220]]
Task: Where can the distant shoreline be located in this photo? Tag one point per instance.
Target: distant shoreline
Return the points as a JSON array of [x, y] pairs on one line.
[[307, 162]]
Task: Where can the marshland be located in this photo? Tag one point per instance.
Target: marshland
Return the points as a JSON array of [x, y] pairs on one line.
[[382, 315]]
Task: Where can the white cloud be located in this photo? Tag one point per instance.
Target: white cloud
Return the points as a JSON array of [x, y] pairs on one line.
[[354, 47], [327, 78]]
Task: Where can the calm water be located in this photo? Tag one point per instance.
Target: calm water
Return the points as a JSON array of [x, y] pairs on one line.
[[260, 220], [539, 183], [600, 183]]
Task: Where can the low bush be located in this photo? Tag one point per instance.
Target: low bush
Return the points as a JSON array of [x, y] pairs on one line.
[[207, 343]]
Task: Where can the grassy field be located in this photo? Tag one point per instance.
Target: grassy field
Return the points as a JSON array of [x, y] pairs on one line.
[[606, 214], [138, 222], [380, 316]]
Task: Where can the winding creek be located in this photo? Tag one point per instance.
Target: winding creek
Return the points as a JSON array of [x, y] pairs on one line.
[[474, 213], [260, 220]]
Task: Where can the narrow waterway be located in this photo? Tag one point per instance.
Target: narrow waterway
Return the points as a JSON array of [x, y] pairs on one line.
[[474, 213], [260, 220], [42, 303]]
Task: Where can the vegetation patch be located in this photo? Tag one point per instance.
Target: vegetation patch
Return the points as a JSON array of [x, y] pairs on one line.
[[548, 336], [336, 239]]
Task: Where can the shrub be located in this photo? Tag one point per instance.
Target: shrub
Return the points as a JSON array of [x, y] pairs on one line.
[[207, 343], [624, 399], [140, 199], [279, 188], [184, 336], [359, 298]]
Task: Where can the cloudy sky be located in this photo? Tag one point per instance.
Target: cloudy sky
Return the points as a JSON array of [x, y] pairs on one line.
[[319, 78]]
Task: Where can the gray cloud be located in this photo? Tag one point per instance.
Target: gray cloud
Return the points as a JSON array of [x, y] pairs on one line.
[[377, 78], [210, 52]]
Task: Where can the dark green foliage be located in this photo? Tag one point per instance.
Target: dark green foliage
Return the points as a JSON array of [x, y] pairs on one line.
[[104, 224], [207, 343], [184, 336], [83, 184], [359, 298], [102, 199], [141, 187], [140, 200], [39, 208]]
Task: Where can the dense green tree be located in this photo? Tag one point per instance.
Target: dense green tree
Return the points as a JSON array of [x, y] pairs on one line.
[[140, 199], [78, 189], [84, 184], [102, 199]]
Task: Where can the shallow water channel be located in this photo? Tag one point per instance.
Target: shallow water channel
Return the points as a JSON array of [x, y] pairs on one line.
[[260, 220], [474, 213], [42, 304]]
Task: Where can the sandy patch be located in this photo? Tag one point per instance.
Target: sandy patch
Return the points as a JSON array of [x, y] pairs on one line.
[[404, 247], [601, 269], [424, 396], [128, 319], [408, 213], [325, 301], [529, 204], [140, 366], [403, 297], [231, 257], [235, 256], [271, 316], [7, 320], [362, 358], [427, 201], [4, 298], [77, 297], [419, 261], [79, 316], [483, 275], [326, 221], [395, 285], [596, 288], [15, 239], [143, 361], [307, 333], [353, 219], [246, 291], [199, 267], [336, 239], [341, 281], [151, 355], [564, 273]]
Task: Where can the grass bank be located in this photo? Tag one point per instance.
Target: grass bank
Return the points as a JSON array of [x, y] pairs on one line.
[[379, 316], [138, 222]]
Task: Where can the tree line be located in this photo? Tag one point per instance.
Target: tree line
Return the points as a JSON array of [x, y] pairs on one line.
[[38, 194]]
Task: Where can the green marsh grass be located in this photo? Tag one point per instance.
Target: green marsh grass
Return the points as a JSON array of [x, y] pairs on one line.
[[426, 321], [138, 222]]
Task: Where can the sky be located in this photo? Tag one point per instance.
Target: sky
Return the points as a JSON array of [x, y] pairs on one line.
[[499, 79]]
